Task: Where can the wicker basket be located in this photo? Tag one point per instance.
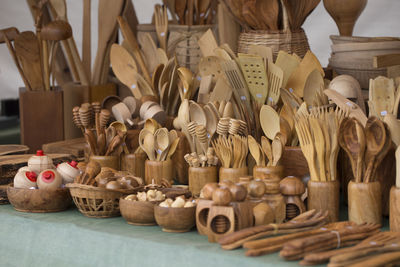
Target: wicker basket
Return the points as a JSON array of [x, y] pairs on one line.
[[182, 42], [147, 28], [97, 202], [291, 42]]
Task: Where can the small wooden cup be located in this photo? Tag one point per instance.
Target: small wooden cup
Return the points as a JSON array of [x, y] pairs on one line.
[[199, 176], [273, 173], [324, 196], [157, 170], [365, 204], [134, 163], [394, 215], [232, 174], [107, 161]]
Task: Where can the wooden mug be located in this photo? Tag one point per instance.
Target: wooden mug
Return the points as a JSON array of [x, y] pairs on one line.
[[158, 170], [107, 161], [394, 215], [324, 196], [365, 204], [232, 174], [134, 163], [199, 176]]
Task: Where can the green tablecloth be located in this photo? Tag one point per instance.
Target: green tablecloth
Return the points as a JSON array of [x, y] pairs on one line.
[[71, 239]]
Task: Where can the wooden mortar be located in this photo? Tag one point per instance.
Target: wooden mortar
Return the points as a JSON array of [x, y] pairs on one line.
[[394, 214], [232, 174], [199, 176], [107, 161], [157, 170], [134, 163], [365, 204], [324, 196]]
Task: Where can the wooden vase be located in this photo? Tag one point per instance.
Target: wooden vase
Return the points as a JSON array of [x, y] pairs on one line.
[[365, 204], [232, 174], [324, 196], [107, 161], [134, 163], [394, 216], [158, 170], [199, 176]]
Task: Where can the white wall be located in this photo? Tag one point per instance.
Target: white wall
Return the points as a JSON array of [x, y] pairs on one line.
[[380, 18]]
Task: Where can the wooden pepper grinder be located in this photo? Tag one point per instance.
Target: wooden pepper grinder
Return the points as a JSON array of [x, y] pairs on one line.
[[293, 188], [394, 215]]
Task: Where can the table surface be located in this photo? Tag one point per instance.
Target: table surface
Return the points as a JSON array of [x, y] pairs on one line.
[[70, 239]]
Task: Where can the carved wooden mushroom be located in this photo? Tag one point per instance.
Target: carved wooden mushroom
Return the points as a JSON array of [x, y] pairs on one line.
[[292, 188]]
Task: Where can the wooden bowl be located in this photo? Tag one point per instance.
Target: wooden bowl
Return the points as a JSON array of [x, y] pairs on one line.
[[39, 200], [137, 212], [175, 220]]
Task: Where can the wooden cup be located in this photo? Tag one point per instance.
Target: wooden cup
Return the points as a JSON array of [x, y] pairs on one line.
[[157, 170], [107, 161], [199, 176], [394, 215], [365, 204], [324, 196], [134, 163], [232, 174]]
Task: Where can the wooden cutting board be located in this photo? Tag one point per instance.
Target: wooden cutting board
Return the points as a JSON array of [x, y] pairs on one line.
[[13, 149]]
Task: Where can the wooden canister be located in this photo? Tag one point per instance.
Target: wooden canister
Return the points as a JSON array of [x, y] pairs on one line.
[[324, 196], [199, 176], [394, 215], [106, 161], [157, 170], [134, 163], [232, 174], [273, 173], [365, 204]]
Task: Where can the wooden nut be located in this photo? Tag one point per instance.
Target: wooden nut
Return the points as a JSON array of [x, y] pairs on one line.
[[238, 192], [208, 190], [256, 188], [222, 196], [292, 186]]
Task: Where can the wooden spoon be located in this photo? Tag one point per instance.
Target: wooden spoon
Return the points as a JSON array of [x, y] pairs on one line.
[[266, 147], [270, 121], [27, 50], [375, 134], [277, 151], [186, 76], [146, 142], [203, 7], [397, 154], [394, 126], [197, 114], [161, 142], [254, 150], [172, 148], [212, 121], [156, 78], [180, 8]]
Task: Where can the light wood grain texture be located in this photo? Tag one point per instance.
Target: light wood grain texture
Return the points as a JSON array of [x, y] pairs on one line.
[[263, 214], [394, 214], [73, 95], [324, 196], [134, 163], [364, 201], [175, 220], [39, 200], [107, 161], [202, 210], [137, 212], [208, 43], [386, 60], [97, 93], [232, 174], [278, 205], [228, 28], [294, 162], [158, 170], [293, 188], [74, 147], [274, 173], [200, 176]]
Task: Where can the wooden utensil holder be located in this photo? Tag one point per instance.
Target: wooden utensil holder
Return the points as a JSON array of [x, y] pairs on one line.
[[41, 117], [181, 166], [74, 95], [273, 173], [394, 215], [324, 196], [134, 163], [107, 161], [294, 163], [199, 176], [157, 170], [98, 92], [232, 174], [223, 220], [365, 204]]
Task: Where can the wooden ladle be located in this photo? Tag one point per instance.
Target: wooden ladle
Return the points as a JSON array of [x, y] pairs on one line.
[[375, 134]]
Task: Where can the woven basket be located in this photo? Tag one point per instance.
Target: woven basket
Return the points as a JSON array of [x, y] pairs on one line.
[[182, 42], [147, 28], [97, 202]]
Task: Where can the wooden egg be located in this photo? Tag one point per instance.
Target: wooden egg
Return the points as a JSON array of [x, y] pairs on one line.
[[40, 162], [49, 179], [256, 188], [25, 179], [222, 196], [68, 171], [239, 192], [208, 190]]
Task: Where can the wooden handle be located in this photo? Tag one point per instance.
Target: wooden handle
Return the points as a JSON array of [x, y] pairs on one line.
[[86, 38]]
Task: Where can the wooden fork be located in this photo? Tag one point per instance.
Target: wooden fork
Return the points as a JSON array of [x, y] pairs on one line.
[[161, 21]]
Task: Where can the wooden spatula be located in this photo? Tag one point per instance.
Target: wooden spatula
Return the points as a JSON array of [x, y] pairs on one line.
[[108, 12], [149, 49], [255, 75], [263, 51], [288, 63], [314, 82], [222, 90], [208, 43], [381, 90]]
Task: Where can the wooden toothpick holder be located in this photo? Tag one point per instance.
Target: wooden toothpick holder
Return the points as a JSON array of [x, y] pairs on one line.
[[394, 215], [324, 196], [365, 204], [199, 176]]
